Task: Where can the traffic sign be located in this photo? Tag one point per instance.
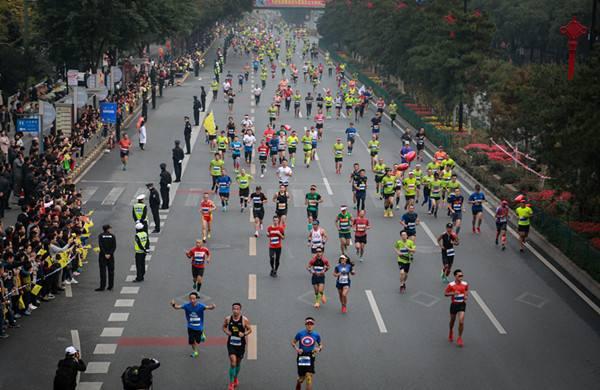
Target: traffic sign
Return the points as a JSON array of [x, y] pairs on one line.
[[72, 76], [108, 112], [28, 125]]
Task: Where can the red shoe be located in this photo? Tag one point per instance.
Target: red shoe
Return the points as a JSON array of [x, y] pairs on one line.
[[451, 336], [478, 230], [473, 229], [344, 310], [459, 342], [231, 387], [236, 382]]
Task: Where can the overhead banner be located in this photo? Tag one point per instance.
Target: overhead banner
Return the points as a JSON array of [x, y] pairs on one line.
[[290, 3]]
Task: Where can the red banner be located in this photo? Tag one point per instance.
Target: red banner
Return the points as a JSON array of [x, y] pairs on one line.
[[290, 3]]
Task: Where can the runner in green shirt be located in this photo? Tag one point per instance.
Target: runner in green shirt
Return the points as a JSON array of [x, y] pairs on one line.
[[405, 249], [216, 169], [388, 189], [338, 153], [244, 180], [344, 225], [312, 201]]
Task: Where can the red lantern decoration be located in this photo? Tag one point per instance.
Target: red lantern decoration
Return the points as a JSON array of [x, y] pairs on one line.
[[477, 13], [451, 19], [403, 166], [519, 198], [573, 30], [410, 156], [401, 5], [370, 5]]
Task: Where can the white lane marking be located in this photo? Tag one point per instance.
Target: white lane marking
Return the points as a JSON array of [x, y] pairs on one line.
[[376, 312], [148, 257], [252, 287], [253, 169], [105, 349], [112, 196], [253, 344], [325, 181], [327, 186], [130, 290], [112, 332], [163, 216], [488, 312], [153, 239], [124, 302], [250, 214], [163, 211], [192, 199], [252, 246], [97, 367], [76, 342], [252, 111], [68, 291], [130, 278], [429, 232], [138, 192], [87, 193], [152, 224], [151, 248], [133, 268], [316, 156], [118, 317], [89, 386]]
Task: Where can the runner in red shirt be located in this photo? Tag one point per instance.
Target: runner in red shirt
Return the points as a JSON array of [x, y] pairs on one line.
[[268, 133], [200, 256], [458, 290], [361, 225], [207, 207], [263, 155], [276, 234], [319, 122], [124, 145]]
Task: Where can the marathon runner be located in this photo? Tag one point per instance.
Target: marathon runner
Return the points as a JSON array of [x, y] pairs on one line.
[[342, 272], [237, 328], [524, 213], [263, 153], [276, 234], [124, 146], [373, 147], [458, 291], [284, 172], [338, 154], [388, 188], [344, 225], [248, 140], [307, 147], [317, 236], [476, 200], [292, 144], [207, 207], [447, 241], [216, 169], [317, 267], [361, 225], [244, 180], [359, 183], [258, 209], [409, 221], [224, 186], [351, 133], [281, 200], [194, 315], [455, 207], [435, 193], [405, 250], [200, 256], [236, 153], [502, 214], [307, 343], [312, 200]]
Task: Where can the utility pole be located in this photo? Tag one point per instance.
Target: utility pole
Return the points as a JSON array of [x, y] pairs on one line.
[[461, 103]]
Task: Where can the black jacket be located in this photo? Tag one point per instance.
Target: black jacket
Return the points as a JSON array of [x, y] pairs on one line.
[[187, 131], [107, 243], [165, 178], [154, 200], [178, 154], [66, 373]]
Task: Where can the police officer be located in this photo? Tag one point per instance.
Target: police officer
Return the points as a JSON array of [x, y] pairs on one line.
[[106, 258], [140, 212], [187, 134], [203, 98], [196, 107], [154, 202], [165, 185], [141, 245], [178, 156]]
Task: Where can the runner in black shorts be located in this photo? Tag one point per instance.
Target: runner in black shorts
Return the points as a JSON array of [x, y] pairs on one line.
[[307, 343], [258, 208], [281, 200], [317, 267], [447, 241], [237, 328]]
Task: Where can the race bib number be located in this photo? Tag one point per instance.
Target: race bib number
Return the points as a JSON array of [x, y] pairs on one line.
[[304, 361], [235, 341]]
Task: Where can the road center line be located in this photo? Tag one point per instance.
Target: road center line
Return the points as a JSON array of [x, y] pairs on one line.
[[252, 246], [76, 342], [376, 312], [325, 181], [68, 291], [488, 312], [253, 344], [252, 287]]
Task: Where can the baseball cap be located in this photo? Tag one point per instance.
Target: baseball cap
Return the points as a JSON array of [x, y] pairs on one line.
[[449, 225], [141, 197], [71, 350], [343, 207]]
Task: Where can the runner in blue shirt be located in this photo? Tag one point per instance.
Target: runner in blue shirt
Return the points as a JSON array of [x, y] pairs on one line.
[[274, 148], [306, 343], [342, 273], [476, 199], [236, 153], [223, 185], [194, 315], [350, 137]]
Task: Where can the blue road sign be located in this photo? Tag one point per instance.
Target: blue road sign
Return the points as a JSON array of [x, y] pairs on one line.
[[28, 125], [108, 112]]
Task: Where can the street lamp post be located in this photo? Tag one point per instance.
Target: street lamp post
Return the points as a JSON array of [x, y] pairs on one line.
[[461, 103]]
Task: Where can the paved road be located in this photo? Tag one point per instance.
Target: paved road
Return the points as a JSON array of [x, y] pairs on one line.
[[526, 330]]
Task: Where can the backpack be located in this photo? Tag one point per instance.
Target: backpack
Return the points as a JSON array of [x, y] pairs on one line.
[[131, 378]]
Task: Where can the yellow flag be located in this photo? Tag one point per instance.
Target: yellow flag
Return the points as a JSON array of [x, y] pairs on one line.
[[90, 213], [209, 124], [21, 303], [96, 249], [36, 289]]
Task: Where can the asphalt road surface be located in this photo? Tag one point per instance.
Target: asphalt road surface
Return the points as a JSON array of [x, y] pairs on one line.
[[525, 329]]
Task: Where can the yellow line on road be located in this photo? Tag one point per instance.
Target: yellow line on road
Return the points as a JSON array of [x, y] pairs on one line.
[[252, 344], [252, 287], [252, 246]]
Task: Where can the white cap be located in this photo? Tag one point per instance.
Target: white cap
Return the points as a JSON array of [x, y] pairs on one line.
[[71, 350], [141, 197], [139, 226]]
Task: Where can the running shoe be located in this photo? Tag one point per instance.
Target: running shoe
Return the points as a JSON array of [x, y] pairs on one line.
[[459, 342], [317, 305], [231, 386], [236, 382], [203, 337], [323, 299], [403, 288], [194, 354], [450, 336], [344, 310], [479, 230]]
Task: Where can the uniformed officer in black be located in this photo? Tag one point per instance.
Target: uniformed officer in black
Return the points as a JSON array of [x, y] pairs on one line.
[[154, 202], [187, 134], [165, 185], [203, 98], [196, 107], [178, 156], [153, 95], [106, 258]]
